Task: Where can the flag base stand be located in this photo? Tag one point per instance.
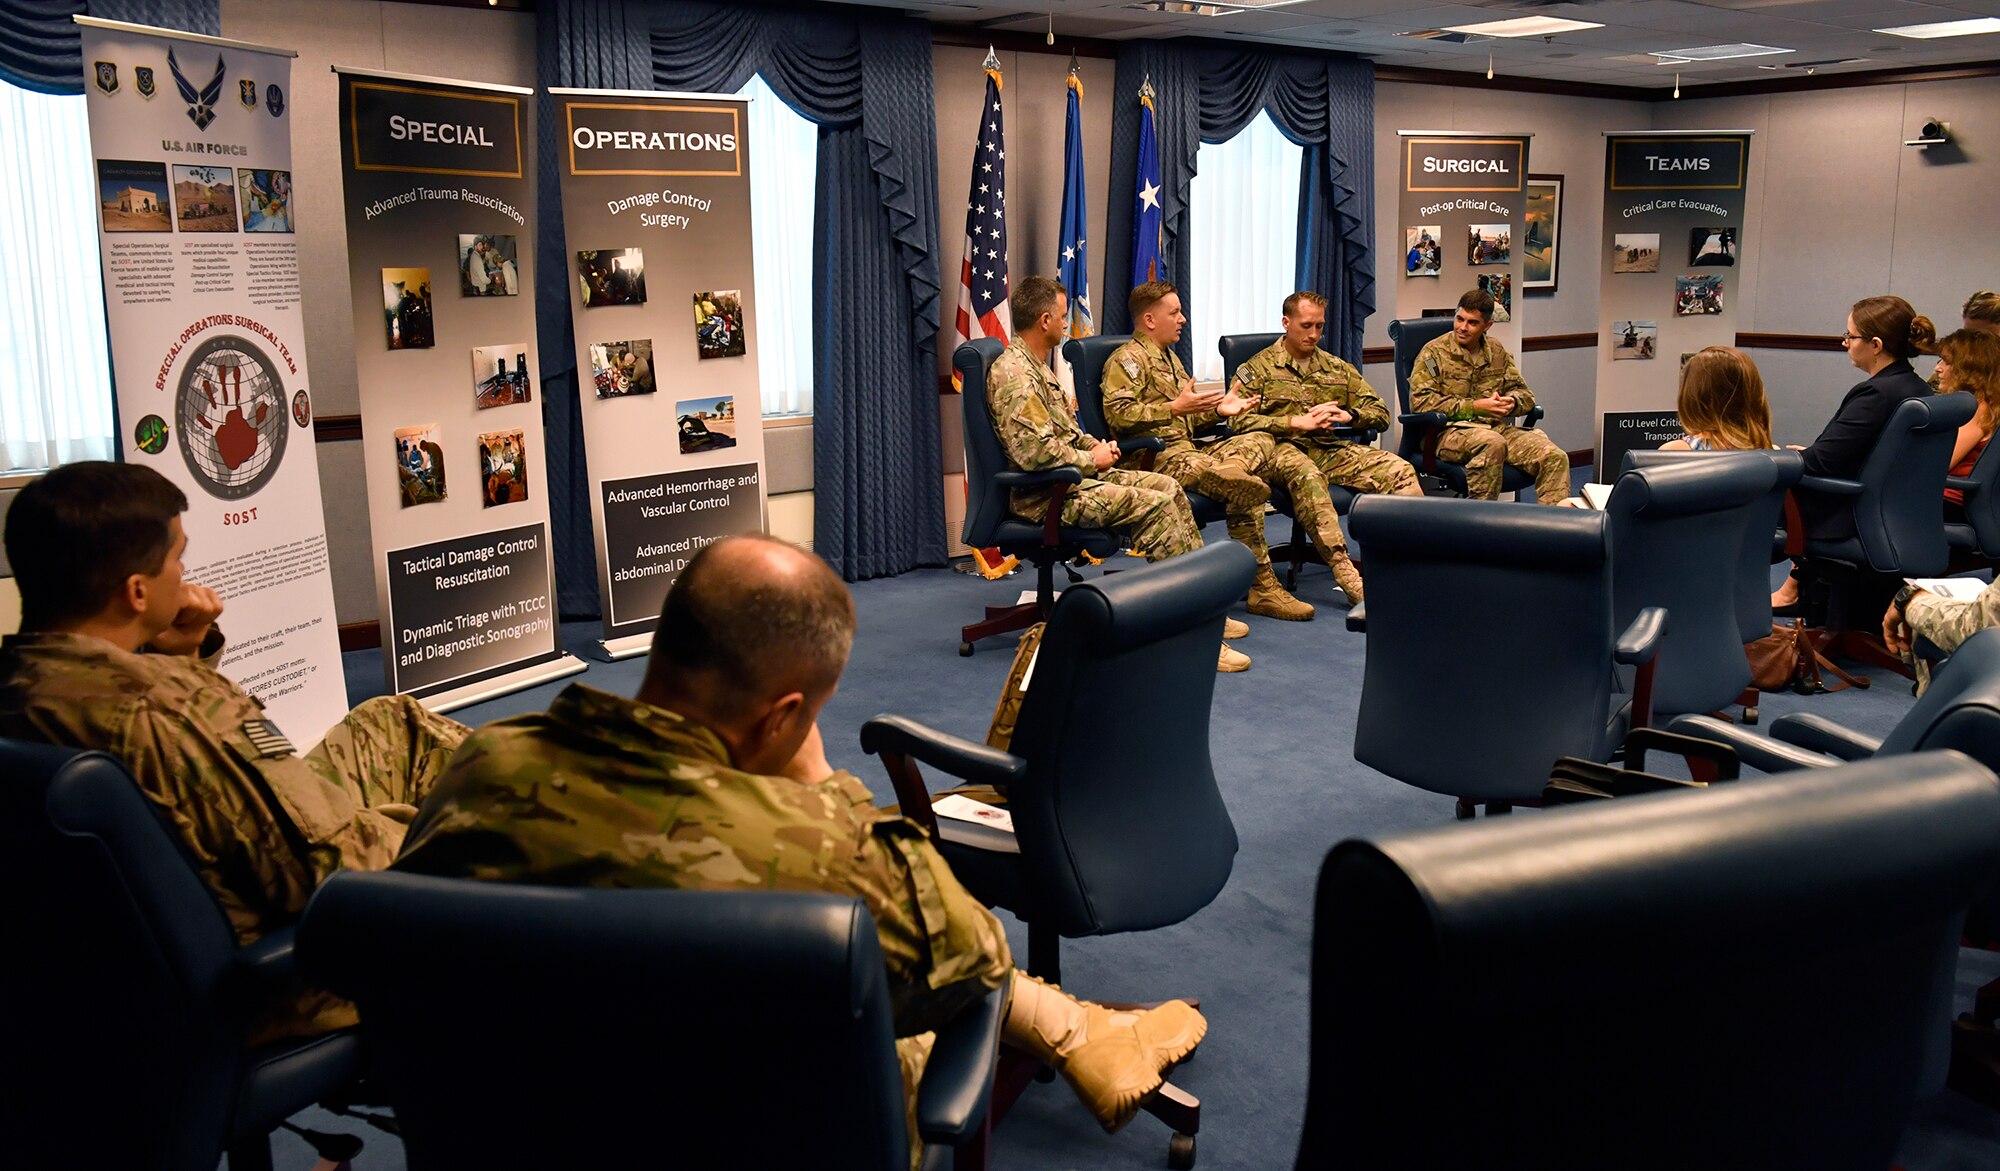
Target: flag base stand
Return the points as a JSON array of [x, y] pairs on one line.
[[624, 648], [559, 667]]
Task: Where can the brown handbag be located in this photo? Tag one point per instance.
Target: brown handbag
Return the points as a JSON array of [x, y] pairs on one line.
[[1787, 659]]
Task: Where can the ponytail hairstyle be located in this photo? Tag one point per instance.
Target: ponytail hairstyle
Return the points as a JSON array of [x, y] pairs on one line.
[[1722, 398], [1903, 332]]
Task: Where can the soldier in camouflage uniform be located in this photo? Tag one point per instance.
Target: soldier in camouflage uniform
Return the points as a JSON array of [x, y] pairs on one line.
[[715, 778], [1473, 379], [117, 654], [1147, 392]]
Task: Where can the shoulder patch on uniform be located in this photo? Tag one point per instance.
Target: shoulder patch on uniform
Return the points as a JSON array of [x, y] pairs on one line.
[[267, 740], [1432, 364], [1130, 366]]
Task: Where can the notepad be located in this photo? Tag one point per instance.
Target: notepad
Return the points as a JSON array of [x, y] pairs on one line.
[[959, 807], [1956, 589]]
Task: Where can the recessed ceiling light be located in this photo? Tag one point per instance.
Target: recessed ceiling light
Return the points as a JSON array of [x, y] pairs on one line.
[[1947, 28], [1716, 53], [1181, 8], [1525, 26]]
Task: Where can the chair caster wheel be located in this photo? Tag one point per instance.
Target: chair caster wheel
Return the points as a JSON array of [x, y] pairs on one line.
[[1464, 810], [965, 650], [1045, 1075], [1180, 1152], [1750, 715]]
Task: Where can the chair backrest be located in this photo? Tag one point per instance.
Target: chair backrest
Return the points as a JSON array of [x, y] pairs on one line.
[[1120, 824], [1489, 642], [526, 1026], [1745, 976], [115, 1039], [1238, 348], [985, 501], [1898, 515], [1982, 506], [1409, 335], [1677, 543], [1086, 357], [1761, 545], [1961, 707]]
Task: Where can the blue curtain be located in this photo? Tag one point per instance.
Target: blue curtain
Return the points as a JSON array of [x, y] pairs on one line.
[[41, 48], [865, 79], [1326, 103]]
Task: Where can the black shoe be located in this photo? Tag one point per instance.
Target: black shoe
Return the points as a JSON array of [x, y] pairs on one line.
[[1795, 610]]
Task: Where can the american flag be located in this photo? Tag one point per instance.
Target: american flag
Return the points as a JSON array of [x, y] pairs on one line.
[[982, 274]]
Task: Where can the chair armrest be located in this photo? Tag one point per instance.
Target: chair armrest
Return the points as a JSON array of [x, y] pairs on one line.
[[1142, 443], [1355, 434], [1764, 755], [1534, 416], [1426, 419], [1819, 734], [1721, 757], [1965, 484], [1830, 485], [1357, 617], [958, 1080], [1041, 479], [1641, 640], [962, 758], [268, 965]]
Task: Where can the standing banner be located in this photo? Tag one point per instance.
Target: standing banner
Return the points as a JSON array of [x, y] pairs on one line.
[[192, 141], [1463, 219], [656, 212], [1673, 229], [440, 252]]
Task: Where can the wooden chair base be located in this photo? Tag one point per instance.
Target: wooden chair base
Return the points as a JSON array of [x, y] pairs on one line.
[[1000, 620]]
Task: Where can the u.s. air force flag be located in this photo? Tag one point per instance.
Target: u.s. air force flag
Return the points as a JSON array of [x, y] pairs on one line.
[[1147, 217]]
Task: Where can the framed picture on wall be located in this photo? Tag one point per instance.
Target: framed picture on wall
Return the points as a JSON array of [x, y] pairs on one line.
[[1543, 237]]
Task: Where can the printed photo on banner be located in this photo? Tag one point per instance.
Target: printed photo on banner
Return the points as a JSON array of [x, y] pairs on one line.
[[1635, 252], [420, 464], [612, 276], [1423, 255], [718, 324], [267, 200], [503, 467], [1712, 247], [406, 308], [622, 368], [486, 267], [205, 199], [1697, 296], [707, 424], [500, 376], [1499, 286], [1631, 340], [1490, 244], [132, 196]]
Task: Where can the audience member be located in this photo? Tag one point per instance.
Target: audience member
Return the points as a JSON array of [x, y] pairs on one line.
[[715, 778], [117, 653], [1473, 380], [1722, 404], [1969, 360], [1982, 311]]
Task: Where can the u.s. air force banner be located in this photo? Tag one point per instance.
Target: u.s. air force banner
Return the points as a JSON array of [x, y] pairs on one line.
[[441, 247], [656, 210], [192, 144]]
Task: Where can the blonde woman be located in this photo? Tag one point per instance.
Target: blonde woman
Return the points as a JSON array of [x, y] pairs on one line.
[[1969, 360], [1722, 403]]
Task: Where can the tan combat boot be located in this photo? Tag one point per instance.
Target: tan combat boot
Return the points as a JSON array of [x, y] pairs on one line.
[[1234, 627], [1231, 660], [1232, 484], [1113, 1060], [1269, 599], [1348, 578]]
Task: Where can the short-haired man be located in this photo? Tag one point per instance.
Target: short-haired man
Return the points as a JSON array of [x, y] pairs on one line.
[[1473, 379], [116, 653], [1038, 428], [1305, 393], [715, 778], [1148, 392]]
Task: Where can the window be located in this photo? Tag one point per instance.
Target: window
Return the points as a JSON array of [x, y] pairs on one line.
[[55, 395], [1244, 225], [784, 169]]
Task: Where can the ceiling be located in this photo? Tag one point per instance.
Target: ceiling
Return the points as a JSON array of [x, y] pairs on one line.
[[1821, 32]]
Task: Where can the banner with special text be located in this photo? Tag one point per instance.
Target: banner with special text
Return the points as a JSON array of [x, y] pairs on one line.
[[1463, 212], [440, 245], [656, 211], [1673, 232], [192, 143]]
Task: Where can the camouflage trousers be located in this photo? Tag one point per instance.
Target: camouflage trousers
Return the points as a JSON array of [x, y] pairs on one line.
[[1277, 464], [1362, 468], [1486, 453], [387, 753], [1149, 509]]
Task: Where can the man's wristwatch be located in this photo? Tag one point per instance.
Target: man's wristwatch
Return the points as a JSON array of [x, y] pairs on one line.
[[1902, 601]]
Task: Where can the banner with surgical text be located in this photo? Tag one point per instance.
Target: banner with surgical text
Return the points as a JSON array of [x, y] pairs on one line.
[[1674, 206], [191, 140], [440, 205], [656, 212], [1462, 220]]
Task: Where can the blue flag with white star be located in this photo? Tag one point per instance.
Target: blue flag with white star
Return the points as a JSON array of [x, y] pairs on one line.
[[1073, 270], [1147, 264]]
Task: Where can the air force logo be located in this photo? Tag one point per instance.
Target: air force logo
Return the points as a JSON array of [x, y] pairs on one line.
[[107, 76], [247, 90], [274, 101], [142, 80], [201, 103]]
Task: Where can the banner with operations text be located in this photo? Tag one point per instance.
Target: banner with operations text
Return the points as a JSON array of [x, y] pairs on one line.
[[1673, 236], [191, 140], [440, 238], [656, 211]]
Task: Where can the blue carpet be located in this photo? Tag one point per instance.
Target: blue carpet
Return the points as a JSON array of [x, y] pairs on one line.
[[1282, 739]]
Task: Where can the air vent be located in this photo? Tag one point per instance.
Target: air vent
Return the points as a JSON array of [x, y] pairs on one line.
[[1438, 34], [1557, 56], [1810, 66]]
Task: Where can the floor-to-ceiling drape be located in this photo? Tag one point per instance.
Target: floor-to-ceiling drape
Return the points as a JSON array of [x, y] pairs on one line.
[[41, 48]]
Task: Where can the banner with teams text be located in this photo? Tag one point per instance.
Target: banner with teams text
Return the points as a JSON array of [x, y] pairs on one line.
[[656, 215], [440, 205], [191, 141]]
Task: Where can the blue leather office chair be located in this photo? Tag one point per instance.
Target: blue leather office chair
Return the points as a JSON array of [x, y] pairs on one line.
[[1423, 429], [531, 1026], [1491, 646], [1756, 975], [128, 1002], [1113, 832], [989, 523], [1976, 541], [1086, 357]]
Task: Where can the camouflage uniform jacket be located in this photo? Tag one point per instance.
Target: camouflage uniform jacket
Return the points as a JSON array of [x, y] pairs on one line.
[[1035, 422], [1141, 380], [1446, 378], [602, 791], [1291, 386], [1949, 623]]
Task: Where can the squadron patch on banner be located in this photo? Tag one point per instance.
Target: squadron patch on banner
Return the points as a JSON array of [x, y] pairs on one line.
[[142, 80], [107, 76], [274, 101], [268, 742], [247, 90], [201, 103], [151, 435], [231, 417]]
